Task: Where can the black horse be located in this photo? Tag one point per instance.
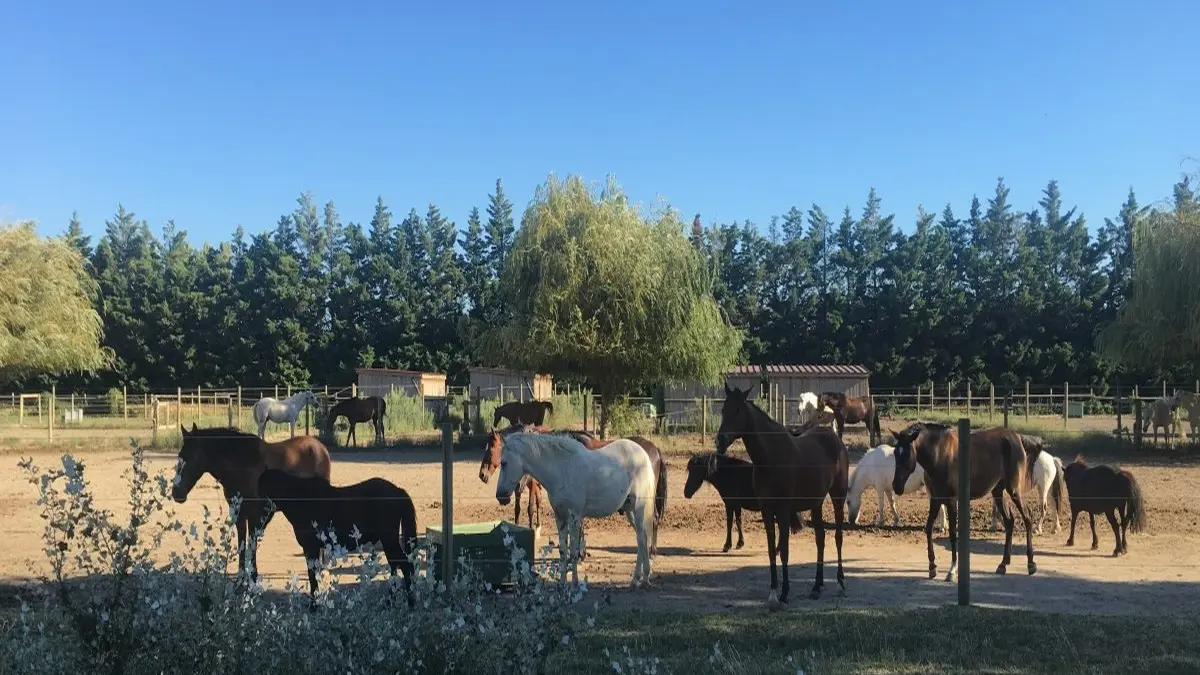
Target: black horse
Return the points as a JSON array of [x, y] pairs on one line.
[[1108, 490], [733, 478], [382, 513]]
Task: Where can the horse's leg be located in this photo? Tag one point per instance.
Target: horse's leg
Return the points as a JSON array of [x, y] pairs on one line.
[[882, 496], [995, 526], [1095, 539], [562, 523], [728, 529], [895, 512], [1009, 522], [1019, 505], [741, 541], [1124, 516], [951, 507], [934, 506], [517, 501], [1074, 518], [240, 527], [839, 521], [1112, 521], [769, 524], [819, 534], [781, 548]]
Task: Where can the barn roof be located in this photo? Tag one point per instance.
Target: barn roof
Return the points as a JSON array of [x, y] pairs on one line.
[[817, 370], [394, 371]]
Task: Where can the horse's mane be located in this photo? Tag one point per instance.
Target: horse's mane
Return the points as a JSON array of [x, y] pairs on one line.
[[711, 461], [237, 443], [545, 443]]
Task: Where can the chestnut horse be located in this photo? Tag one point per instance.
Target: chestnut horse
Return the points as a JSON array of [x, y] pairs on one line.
[[850, 410], [998, 465], [529, 412], [237, 460], [791, 474], [491, 463]]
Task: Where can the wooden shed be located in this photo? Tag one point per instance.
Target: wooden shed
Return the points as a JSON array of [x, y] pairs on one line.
[[517, 385], [678, 399], [793, 380], [382, 381]]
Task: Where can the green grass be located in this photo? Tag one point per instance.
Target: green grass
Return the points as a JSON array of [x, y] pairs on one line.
[[948, 640]]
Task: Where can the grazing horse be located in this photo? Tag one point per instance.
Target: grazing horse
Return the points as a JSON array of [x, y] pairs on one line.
[[1046, 477], [237, 460], [370, 409], [997, 465], [850, 410], [791, 474], [530, 412], [733, 479], [378, 511], [582, 484], [268, 409], [1164, 414], [1108, 490], [491, 462], [876, 469]]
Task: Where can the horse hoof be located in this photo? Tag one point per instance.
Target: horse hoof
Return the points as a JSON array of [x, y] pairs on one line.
[[1070, 542], [932, 572], [815, 594], [1095, 545], [950, 577], [741, 544], [1002, 569], [1032, 568], [726, 547]]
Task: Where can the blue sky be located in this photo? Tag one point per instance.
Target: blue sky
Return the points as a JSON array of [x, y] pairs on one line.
[[220, 113]]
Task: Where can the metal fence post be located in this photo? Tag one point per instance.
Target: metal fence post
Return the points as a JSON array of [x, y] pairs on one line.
[[447, 506], [964, 512]]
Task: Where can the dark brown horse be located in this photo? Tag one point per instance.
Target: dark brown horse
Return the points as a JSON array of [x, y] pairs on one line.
[[791, 474], [998, 465], [378, 511], [370, 409], [733, 479], [529, 412], [237, 460], [850, 410], [1108, 490]]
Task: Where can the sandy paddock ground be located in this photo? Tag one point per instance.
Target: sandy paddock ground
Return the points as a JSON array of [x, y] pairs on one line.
[[884, 566]]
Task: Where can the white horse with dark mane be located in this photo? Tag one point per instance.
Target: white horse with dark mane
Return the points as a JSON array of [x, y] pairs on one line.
[[809, 402], [876, 469], [269, 409], [584, 483]]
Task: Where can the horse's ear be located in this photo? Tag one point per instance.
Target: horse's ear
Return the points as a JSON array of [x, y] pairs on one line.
[[183, 430], [1079, 458], [896, 434], [728, 391], [194, 428]]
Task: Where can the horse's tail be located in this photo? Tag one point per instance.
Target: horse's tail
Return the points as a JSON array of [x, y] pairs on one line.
[[549, 407], [1058, 490], [408, 521], [382, 409], [875, 420], [1135, 508], [660, 492]]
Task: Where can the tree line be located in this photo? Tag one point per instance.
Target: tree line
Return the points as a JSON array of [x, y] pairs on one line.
[[996, 294]]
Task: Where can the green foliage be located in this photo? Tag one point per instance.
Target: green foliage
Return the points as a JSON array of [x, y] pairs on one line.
[[48, 323], [598, 291], [116, 401]]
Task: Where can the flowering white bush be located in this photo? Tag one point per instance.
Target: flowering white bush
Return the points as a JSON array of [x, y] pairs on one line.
[[108, 606]]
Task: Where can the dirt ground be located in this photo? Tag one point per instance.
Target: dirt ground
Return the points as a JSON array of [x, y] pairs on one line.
[[884, 566]]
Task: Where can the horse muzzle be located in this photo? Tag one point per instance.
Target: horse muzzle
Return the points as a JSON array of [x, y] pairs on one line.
[[484, 476], [178, 497], [504, 499]]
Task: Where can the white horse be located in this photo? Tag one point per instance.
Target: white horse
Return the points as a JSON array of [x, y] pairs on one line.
[[1164, 413], [808, 406], [269, 409], [584, 483], [1190, 403], [1048, 480], [876, 469]]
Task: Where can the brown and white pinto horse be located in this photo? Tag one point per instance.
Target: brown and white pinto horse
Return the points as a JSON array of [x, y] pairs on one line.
[[850, 410]]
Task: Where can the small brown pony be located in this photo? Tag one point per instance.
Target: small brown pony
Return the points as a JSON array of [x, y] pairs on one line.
[[998, 465], [850, 410], [237, 460], [529, 412], [1108, 490], [370, 409], [491, 463], [791, 474]]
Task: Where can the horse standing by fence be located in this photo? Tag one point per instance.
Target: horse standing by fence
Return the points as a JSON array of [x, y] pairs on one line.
[[791, 474], [876, 469], [377, 510], [1164, 414], [997, 465], [1108, 490], [584, 483], [371, 409], [287, 411], [529, 412], [733, 479], [1190, 402], [237, 460], [850, 410]]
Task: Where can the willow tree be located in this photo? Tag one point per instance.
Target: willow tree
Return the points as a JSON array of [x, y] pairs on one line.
[[592, 288], [48, 322], [1160, 322]]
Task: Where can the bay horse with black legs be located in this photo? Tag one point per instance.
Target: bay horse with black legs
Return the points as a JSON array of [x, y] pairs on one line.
[[378, 511], [529, 412], [1108, 490], [791, 474], [850, 410], [370, 409], [237, 460], [491, 463], [998, 465]]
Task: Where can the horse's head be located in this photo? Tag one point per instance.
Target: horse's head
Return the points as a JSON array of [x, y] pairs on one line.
[[309, 399], [1078, 466], [907, 447], [735, 417], [191, 465], [512, 469], [491, 456], [699, 468]]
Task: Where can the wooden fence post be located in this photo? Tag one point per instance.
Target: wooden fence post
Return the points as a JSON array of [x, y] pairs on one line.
[[918, 400], [154, 420], [448, 507], [964, 513], [992, 401], [1026, 401], [239, 406], [229, 410], [53, 395], [968, 398], [125, 404], [704, 416], [783, 409], [1066, 402], [1137, 421], [1006, 401], [949, 398], [199, 407], [1118, 407], [178, 405]]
